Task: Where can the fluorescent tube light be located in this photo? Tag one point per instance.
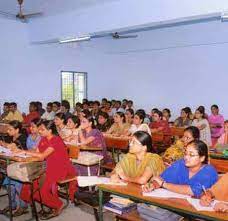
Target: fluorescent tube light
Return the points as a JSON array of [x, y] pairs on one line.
[[224, 16], [74, 39]]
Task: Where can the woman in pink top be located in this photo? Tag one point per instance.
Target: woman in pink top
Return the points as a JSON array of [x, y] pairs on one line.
[[216, 122]]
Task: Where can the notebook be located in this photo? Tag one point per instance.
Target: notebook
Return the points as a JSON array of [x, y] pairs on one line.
[[84, 181]]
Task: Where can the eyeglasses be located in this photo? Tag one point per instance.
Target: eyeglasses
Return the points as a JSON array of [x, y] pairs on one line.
[[190, 154], [187, 138]]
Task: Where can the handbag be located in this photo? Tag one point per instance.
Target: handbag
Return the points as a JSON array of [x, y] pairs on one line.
[[26, 171]]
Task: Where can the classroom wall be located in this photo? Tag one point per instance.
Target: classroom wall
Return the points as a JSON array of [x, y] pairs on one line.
[[31, 72], [171, 67]]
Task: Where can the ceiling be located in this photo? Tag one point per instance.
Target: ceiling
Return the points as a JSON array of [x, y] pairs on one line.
[[49, 7]]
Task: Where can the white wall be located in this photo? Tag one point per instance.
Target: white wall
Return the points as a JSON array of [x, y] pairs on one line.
[[160, 68], [31, 72], [172, 67]]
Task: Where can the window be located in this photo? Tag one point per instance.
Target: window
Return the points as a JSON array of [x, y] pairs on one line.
[[74, 86]]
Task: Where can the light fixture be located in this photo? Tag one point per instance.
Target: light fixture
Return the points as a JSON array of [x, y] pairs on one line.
[[224, 16], [74, 39]]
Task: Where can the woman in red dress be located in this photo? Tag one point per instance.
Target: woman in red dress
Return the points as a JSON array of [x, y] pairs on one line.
[[58, 166]]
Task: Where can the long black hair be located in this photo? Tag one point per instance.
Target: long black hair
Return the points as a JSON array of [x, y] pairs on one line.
[[201, 148], [194, 131], [145, 139], [49, 125]]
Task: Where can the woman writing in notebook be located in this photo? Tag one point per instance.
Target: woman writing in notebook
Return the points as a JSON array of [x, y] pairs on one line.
[[189, 175], [139, 165]]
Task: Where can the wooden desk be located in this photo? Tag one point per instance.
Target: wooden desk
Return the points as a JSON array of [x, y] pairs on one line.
[[177, 131], [220, 165], [116, 145], [219, 161], [133, 191], [120, 143], [84, 147], [18, 159], [3, 167]]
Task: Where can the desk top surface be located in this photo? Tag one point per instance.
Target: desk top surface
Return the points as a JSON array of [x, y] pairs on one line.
[[133, 191], [18, 159]]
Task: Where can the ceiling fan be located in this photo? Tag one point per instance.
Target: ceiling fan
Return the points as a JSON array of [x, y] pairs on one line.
[[21, 16], [116, 35]]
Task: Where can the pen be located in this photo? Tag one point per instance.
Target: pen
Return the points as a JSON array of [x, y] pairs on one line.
[[204, 190]]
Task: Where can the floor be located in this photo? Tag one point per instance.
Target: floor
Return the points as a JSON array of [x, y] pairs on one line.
[[71, 213]]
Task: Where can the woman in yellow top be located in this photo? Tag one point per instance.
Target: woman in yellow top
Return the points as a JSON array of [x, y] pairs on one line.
[[138, 166], [218, 191], [120, 127], [176, 151]]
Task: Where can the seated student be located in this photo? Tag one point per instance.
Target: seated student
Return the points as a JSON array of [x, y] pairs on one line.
[[183, 120], [130, 105], [124, 104], [223, 139], [218, 191], [34, 136], [216, 122], [146, 116], [60, 123], [152, 113], [103, 123], [65, 108], [49, 113], [14, 113], [201, 107], [95, 109], [90, 136], [17, 134], [159, 125], [203, 126], [33, 113], [58, 166], [40, 108], [77, 109], [56, 107], [191, 115], [166, 113], [138, 124], [6, 108], [190, 175], [129, 115], [107, 108], [18, 138], [117, 108], [176, 151], [73, 124], [120, 127], [139, 165]]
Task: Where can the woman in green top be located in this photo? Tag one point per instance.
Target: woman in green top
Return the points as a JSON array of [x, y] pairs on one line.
[[138, 166]]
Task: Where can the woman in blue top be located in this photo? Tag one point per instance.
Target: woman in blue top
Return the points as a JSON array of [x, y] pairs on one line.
[[34, 138], [190, 175]]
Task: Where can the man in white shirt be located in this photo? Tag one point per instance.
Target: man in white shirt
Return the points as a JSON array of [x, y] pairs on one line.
[[117, 108], [49, 113]]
